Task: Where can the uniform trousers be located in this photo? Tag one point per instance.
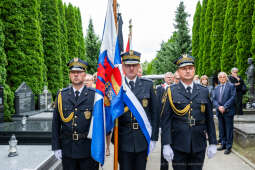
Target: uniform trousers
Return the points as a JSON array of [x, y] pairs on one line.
[[188, 161], [132, 160], [79, 164]]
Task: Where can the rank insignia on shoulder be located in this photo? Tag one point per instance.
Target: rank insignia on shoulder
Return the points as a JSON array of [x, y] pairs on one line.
[[87, 114], [202, 108], [145, 102]]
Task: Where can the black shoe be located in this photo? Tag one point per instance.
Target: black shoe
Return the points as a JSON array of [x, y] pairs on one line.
[[221, 148], [227, 151]]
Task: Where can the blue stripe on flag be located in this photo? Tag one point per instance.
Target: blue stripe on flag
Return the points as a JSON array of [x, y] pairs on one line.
[[98, 144]]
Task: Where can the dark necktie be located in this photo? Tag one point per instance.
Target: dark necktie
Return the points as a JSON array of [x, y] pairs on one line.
[[188, 89], [77, 95], [132, 85], [221, 92]]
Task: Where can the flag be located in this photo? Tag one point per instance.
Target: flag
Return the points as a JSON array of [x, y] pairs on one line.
[[108, 85]]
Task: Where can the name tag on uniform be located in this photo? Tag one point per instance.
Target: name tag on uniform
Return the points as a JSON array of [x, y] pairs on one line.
[[202, 108], [145, 102], [87, 114]]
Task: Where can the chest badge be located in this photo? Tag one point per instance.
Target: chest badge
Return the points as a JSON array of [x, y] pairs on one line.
[[202, 108], [87, 114], [145, 102]]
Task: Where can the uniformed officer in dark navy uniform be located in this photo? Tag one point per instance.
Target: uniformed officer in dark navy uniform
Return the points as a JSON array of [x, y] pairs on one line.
[[132, 142], [71, 121], [187, 117]]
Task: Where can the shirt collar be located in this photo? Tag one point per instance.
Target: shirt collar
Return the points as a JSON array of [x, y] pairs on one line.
[[128, 80], [74, 90], [185, 86]]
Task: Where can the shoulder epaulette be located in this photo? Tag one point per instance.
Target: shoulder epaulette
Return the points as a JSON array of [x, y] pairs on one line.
[[146, 79], [91, 88], [64, 89]]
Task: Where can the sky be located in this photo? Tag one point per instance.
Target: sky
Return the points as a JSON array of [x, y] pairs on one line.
[[152, 20]]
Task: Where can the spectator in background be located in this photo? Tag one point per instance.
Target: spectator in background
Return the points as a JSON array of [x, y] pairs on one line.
[[89, 80], [205, 82], [176, 78], [224, 102], [196, 79], [140, 71], [95, 79], [240, 90]]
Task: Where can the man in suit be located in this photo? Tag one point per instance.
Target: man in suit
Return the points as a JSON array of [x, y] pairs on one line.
[[168, 78], [71, 121], [133, 145], [187, 117], [223, 101]]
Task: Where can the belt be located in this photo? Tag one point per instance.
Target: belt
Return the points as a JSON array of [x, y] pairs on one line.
[[134, 126], [191, 122], [75, 136]]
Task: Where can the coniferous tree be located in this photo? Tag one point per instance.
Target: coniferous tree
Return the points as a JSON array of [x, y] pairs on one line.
[[201, 37], [71, 31], [51, 34], [195, 34], [253, 35], [217, 33], [166, 56], [229, 37], [80, 40], [244, 29], [63, 44], [207, 38], [33, 63], [183, 39], [92, 47], [8, 94]]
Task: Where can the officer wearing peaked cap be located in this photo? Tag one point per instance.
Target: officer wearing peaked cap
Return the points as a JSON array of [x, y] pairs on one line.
[[71, 121], [187, 117], [133, 145]]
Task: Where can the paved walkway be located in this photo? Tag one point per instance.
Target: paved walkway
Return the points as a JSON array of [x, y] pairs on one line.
[[219, 162]]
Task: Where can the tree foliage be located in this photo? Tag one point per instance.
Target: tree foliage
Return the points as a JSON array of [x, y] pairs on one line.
[[244, 36], [8, 94], [51, 34], [92, 46], [217, 33], [229, 43], [195, 34], [201, 37], [63, 43], [207, 38]]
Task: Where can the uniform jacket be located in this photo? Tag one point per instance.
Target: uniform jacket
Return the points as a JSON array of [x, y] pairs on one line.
[[175, 129], [228, 99], [131, 140], [80, 123]]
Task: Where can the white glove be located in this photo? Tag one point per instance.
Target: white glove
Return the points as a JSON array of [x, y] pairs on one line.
[[211, 151], [58, 154], [168, 153], [152, 145]]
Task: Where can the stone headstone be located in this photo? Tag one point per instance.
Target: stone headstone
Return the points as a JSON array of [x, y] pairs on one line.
[[24, 99], [44, 101], [1, 103]]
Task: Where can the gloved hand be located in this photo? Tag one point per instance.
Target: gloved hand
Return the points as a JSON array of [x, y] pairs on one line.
[[58, 154], [152, 145], [168, 153], [211, 151]]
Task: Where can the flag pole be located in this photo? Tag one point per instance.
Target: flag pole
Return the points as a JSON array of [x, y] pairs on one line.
[[116, 128]]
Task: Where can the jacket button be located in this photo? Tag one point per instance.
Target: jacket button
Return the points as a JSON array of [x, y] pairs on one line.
[[75, 124], [75, 109], [75, 116], [190, 102], [190, 109]]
